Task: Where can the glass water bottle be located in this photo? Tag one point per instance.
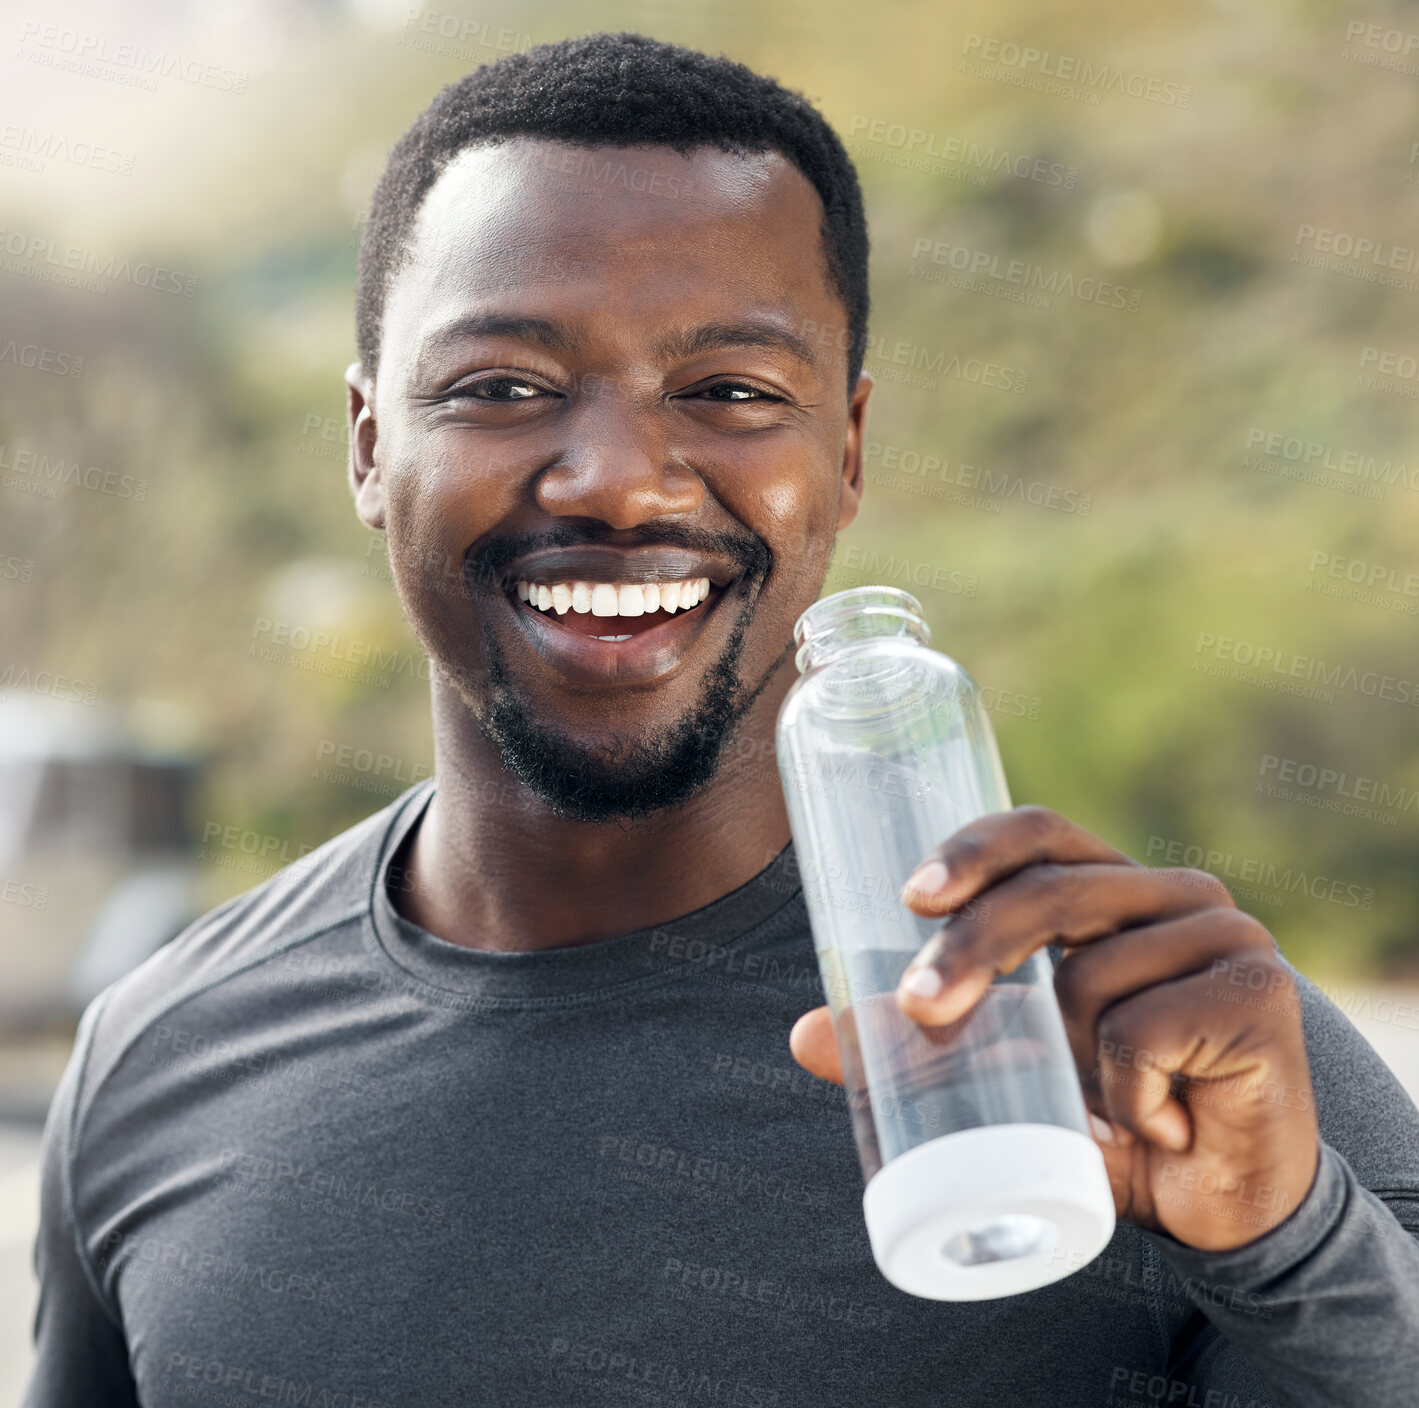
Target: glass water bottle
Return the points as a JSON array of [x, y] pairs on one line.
[[982, 1177]]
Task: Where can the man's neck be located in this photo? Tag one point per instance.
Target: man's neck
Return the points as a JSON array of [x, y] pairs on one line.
[[490, 867]]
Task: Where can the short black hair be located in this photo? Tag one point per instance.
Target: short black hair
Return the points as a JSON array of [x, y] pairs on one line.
[[621, 89]]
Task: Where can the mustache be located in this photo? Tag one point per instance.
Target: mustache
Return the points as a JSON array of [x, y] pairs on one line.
[[487, 565]]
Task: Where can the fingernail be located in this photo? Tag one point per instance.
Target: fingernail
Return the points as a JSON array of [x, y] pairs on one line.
[[1103, 1131], [928, 877], [923, 982]]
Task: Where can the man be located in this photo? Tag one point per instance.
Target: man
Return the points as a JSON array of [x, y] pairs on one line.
[[490, 1100]]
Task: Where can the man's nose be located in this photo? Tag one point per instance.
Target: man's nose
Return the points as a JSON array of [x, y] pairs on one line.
[[619, 466]]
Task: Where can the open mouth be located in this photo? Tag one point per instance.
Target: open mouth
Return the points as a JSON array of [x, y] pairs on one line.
[[605, 613], [614, 612]]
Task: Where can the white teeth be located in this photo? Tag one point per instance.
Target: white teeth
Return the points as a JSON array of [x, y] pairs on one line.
[[614, 599]]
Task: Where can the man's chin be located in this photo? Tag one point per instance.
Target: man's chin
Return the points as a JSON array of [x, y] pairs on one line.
[[622, 779], [629, 774]]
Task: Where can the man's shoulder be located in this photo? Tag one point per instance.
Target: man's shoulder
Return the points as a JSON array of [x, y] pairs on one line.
[[325, 889], [1361, 1106]]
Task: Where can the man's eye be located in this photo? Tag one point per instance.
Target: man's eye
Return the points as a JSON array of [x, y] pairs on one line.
[[737, 391], [500, 388]]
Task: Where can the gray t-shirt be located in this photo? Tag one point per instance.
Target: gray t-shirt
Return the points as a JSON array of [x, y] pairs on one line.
[[309, 1154]]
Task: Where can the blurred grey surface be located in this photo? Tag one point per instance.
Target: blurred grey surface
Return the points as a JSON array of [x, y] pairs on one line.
[[97, 858]]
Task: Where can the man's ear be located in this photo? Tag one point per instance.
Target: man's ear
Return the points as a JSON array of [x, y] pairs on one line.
[[366, 482], [850, 490]]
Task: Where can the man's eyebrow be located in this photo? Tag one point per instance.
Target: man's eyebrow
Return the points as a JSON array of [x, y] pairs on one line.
[[711, 337], [708, 337], [552, 336]]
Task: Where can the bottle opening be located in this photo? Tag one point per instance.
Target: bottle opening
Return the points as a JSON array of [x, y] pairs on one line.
[[845, 618], [1001, 1239]]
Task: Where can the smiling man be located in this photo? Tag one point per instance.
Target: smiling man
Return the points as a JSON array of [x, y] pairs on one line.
[[490, 1099]]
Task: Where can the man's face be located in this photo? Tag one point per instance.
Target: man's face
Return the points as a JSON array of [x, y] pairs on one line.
[[609, 377]]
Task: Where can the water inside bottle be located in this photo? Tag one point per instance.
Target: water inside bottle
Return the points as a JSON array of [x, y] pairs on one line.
[[1005, 1062]]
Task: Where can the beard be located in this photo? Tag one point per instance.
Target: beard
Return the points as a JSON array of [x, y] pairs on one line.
[[633, 776]]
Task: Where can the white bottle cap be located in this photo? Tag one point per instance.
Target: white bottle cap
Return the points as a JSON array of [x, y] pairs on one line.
[[989, 1212]]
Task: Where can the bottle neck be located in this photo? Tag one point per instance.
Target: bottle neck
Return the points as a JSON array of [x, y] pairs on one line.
[[848, 618]]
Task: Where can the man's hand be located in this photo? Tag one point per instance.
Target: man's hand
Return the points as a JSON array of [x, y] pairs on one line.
[[1183, 1021]]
